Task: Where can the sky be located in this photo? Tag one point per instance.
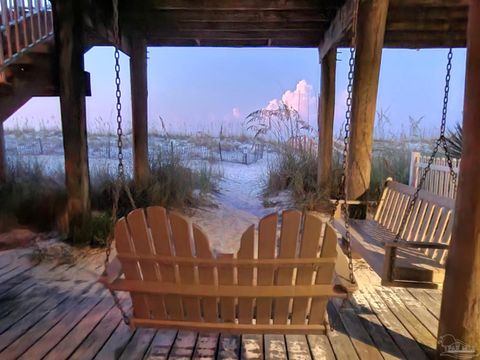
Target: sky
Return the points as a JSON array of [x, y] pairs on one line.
[[204, 89]]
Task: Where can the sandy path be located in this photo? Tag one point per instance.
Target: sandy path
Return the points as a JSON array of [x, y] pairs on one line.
[[239, 205]]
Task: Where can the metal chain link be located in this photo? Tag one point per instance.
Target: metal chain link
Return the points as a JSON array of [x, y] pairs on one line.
[[441, 141], [120, 169], [342, 189]]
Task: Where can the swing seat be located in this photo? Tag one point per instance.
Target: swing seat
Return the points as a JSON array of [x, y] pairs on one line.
[[419, 259], [272, 285]]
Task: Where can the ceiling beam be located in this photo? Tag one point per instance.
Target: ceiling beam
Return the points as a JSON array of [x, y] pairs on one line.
[[135, 16], [339, 26], [240, 4]]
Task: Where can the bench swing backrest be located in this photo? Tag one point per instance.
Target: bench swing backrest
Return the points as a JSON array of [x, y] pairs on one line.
[[175, 280], [431, 219]]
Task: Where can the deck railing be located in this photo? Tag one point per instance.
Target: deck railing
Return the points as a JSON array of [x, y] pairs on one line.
[[23, 24], [438, 180]]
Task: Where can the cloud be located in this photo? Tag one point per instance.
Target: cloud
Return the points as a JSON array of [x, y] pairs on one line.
[[236, 113], [301, 99]]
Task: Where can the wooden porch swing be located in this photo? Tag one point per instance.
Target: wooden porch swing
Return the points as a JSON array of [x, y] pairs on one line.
[[175, 280], [407, 241]]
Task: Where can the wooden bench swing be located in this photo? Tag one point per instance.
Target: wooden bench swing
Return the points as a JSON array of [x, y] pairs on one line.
[[406, 243], [419, 259], [274, 284]]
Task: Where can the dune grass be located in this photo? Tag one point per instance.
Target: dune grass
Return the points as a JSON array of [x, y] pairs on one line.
[[34, 198]]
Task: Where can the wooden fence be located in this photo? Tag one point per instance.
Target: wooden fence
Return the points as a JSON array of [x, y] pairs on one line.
[[23, 24], [438, 180]]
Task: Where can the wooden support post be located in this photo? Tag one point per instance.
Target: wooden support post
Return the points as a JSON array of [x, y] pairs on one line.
[[69, 39], [460, 314], [3, 158], [138, 77], [326, 109], [372, 15]]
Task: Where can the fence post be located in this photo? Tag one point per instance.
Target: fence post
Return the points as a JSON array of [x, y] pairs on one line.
[[413, 177]]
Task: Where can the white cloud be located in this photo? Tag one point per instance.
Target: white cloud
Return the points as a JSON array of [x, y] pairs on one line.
[[301, 99], [236, 113]]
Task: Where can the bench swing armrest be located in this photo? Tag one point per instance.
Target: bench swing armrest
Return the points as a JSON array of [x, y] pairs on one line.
[[113, 272], [416, 245]]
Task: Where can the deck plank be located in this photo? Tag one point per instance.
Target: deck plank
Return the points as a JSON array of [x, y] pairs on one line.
[[275, 347], [116, 343], [184, 345], [252, 347], [56, 334], [394, 326], [23, 325], [421, 334], [92, 344], [69, 343], [379, 334], [161, 345], [422, 296], [229, 347], [206, 347], [320, 347], [417, 309], [341, 343], [360, 337], [138, 345], [297, 346]]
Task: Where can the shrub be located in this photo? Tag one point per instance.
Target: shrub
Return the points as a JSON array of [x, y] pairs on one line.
[[31, 197], [296, 171], [35, 198]]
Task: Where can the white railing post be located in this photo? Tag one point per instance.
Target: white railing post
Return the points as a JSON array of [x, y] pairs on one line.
[[414, 169]]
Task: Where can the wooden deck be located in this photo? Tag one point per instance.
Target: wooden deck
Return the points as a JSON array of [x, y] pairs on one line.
[[51, 311]]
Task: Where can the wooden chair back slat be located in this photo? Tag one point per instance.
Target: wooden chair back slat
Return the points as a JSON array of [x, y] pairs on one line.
[[139, 231], [429, 237], [324, 275], [400, 213], [381, 204], [131, 270], [312, 231], [386, 204], [267, 235], [206, 275], [446, 237], [183, 247], [226, 277], [289, 239], [162, 242], [409, 228], [245, 275]]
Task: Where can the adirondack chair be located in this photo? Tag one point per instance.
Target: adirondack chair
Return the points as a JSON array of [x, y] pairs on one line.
[[419, 259], [273, 285]]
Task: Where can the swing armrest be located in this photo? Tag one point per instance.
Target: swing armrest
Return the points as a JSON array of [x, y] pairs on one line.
[[113, 272], [416, 245]]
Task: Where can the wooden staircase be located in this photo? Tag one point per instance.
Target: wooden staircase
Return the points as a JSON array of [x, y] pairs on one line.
[[27, 61]]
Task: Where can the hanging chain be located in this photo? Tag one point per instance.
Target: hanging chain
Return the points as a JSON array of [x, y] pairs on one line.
[[342, 189], [441, 141], [120, 169]]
